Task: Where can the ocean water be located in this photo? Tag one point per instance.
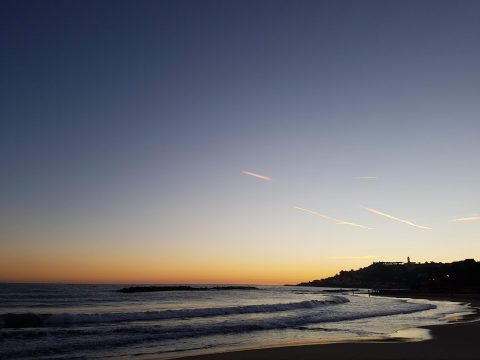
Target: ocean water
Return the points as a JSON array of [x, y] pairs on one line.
[[40, 321]]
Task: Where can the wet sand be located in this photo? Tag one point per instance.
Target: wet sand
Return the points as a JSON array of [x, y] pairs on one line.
[[455, 340]]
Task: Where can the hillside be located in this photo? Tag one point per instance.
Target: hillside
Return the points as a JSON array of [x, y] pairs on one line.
[[459, 277]]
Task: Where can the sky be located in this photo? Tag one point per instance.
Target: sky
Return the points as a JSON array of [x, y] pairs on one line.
[[265, 142]]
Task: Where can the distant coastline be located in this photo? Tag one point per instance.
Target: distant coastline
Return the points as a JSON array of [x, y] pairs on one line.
[[141, 289], [397, 278]]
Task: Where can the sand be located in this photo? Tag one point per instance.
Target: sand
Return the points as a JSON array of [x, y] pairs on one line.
[[457, 340]]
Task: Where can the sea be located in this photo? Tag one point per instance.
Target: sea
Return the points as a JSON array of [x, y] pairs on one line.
[[51, 321]]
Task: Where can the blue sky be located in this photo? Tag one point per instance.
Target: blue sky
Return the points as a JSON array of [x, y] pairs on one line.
[[127, 125]]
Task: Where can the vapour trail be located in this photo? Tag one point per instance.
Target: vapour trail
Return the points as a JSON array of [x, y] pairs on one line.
[[471, 218], [396, 219], [336, 221], [356, 257], [258, 176]]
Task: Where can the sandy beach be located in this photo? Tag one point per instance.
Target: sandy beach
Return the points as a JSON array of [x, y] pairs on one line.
[[455, 340]]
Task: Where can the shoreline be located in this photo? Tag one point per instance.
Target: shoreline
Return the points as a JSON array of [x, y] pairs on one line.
[[456, 339]]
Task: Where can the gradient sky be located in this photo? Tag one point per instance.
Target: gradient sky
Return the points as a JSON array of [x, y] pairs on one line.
[[129, 129]]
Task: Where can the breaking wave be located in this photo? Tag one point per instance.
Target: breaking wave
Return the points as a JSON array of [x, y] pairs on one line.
[[64, 319], [114, 337]]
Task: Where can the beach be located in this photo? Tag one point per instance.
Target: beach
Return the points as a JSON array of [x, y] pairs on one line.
[[454, 340]]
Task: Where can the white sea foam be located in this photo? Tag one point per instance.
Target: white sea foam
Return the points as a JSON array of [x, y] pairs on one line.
[[113, 336], [68, 318]]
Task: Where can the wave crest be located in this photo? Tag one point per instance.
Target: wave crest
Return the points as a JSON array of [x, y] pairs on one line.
[[62, 319]]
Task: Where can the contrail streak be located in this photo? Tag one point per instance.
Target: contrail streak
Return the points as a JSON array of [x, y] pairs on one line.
[[367, 177], [258, 176], [396, 219], [471, 218], [336, 221], [356, 257]]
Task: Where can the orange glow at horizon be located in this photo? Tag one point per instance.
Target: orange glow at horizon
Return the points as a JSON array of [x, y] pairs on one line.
[[64, 258], [51, 270]]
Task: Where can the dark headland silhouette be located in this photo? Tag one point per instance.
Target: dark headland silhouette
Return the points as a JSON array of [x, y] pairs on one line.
[[459, 277]]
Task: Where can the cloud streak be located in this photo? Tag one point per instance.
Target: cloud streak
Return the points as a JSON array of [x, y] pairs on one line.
[[258, 176], [367, 177], [471, 218], [360, 257], [336, 221], [397, 219]]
